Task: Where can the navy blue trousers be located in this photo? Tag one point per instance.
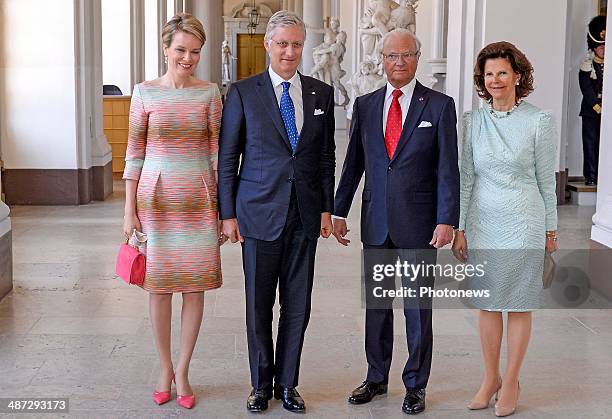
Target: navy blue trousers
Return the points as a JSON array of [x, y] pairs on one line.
[[286, 263], [379, 320]]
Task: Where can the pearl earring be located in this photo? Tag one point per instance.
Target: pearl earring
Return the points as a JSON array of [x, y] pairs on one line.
[[166, 59]]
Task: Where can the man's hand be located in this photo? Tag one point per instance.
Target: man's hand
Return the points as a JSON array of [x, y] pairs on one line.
[[460, 247], [340, 231], [220, 234], [442, 235], [231, 230], [326, 225]]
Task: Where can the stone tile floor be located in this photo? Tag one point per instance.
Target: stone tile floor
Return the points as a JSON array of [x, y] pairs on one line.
[[71, 329]]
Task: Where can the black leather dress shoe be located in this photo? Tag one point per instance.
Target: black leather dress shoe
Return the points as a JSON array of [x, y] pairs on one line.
[[292, 401], [414, 402], [590, 182], [366, 392], [258, 400]]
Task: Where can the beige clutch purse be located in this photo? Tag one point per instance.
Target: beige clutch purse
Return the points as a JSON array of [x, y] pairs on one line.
[[549, 270]]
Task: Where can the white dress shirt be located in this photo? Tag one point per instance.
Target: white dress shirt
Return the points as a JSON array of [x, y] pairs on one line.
[[404, 101], [295, 92]]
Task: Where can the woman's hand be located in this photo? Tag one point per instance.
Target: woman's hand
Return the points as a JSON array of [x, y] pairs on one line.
[[551, 242], [459, 247], [131, 222], [220, 234]]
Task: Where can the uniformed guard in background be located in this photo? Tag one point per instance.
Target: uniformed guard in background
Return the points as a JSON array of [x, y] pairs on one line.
[[591, 84]]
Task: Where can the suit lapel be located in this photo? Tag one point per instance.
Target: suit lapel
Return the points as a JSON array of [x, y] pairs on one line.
[[308, 103], [269, 101], [415, 110], [378, 104]]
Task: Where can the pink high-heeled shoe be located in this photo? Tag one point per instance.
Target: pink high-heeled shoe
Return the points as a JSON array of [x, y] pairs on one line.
[[161, 397], [186, 401]]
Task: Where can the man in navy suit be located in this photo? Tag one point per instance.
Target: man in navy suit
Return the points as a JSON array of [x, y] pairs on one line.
[[403, 136], [278, 126]]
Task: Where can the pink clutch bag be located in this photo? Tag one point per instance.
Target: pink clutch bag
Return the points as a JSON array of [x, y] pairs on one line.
[[130, 265]]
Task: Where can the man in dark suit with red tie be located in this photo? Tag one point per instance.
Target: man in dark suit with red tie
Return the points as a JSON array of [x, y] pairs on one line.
[[403, 136]]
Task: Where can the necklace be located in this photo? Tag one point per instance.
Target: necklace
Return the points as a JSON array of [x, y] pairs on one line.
[[498, 114]]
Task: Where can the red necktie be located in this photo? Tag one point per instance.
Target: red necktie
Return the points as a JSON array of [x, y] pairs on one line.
[[393, 130]]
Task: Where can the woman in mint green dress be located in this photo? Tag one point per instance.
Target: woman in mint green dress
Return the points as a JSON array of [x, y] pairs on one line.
[[508, 211]]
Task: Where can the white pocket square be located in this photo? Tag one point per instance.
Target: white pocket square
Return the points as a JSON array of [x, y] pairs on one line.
[[320, 112], [424, 124]]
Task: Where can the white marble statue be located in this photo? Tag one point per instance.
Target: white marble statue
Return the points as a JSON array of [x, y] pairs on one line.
[[331, 31], [321, 53], [328, 57], [366, 80], [338, 50], [404, 16], [380, 17], [226, 60], [322, 57], [374, 25]]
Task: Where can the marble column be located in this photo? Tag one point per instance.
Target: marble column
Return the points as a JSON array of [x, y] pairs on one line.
[[137, 42], [161, 20], [602, 220], [465, 39], [313, 18], [101, 152], [357, 54], [95, 153], [438, 32], [6, 251], [179, 6], [210, 14], [298, 7]]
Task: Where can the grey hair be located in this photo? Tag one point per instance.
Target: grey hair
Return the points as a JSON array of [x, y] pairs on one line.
[[402, 31], [283, 19]]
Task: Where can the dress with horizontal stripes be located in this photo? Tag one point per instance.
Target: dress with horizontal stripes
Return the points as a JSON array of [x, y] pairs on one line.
[[172, 153]]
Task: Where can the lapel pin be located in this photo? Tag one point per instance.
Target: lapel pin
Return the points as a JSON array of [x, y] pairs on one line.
[[421, 99], [312, 93]]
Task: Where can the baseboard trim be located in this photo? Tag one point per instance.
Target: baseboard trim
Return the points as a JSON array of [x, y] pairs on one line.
[[562, 179], [57, 186]]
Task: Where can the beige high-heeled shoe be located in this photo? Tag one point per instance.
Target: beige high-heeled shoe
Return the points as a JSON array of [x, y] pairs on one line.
[[502, 411], [480, 405]]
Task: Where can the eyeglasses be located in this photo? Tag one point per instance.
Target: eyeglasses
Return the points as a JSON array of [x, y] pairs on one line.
[[285, 44], [406, 56]]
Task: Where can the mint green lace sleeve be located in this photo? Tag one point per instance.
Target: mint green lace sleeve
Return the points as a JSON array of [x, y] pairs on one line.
[[467, 168], [545, 158]]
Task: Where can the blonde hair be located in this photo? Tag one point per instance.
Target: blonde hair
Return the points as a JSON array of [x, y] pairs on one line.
[[182, 22]]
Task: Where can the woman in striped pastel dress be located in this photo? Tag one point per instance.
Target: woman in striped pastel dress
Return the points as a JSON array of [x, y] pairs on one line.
[[171, 195]]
